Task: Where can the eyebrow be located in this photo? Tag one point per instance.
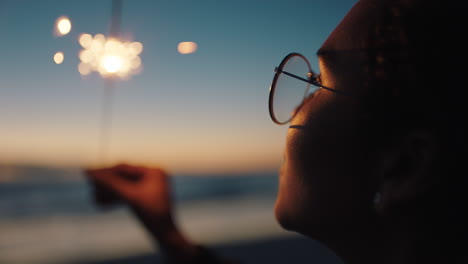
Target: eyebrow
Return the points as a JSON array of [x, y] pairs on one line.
[[325, 52], [329, 56], [322, 52], [326, 56]]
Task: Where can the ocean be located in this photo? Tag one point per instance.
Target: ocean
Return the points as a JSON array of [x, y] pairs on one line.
[[47, 215]]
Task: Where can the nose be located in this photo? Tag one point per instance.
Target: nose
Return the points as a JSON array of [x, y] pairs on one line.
[[294, 112]]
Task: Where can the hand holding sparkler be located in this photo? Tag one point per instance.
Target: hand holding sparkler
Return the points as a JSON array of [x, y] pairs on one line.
[[147, 192]]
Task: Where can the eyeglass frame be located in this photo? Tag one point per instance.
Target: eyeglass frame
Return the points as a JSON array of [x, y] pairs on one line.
[[312, 80]]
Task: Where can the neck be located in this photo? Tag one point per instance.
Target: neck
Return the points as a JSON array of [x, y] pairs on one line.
[[358, 243], [373, 241]]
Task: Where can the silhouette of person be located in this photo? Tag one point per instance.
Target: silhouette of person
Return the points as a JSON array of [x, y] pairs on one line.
[[373, 164]]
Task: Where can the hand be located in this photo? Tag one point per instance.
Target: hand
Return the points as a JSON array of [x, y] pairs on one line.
[[145, 190]]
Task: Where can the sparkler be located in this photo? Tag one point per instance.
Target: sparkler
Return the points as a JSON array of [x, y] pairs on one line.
[[113, 59]]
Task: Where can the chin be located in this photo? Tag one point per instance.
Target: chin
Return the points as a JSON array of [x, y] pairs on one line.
[[291, 222], [283, 216]]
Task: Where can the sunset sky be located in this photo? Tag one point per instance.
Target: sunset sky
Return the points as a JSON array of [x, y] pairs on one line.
[[200, 112]]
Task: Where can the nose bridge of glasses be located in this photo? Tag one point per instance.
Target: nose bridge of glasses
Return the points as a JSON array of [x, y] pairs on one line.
[[312, 77]]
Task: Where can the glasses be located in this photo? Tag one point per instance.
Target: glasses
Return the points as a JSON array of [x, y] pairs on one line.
[[294, 80]]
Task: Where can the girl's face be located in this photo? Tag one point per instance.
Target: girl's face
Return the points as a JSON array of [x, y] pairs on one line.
[[328, 181]]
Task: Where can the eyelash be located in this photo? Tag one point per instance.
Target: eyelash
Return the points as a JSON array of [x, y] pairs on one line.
[[319, 79]]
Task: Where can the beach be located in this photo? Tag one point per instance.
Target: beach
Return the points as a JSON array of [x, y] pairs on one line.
[[55, 221]]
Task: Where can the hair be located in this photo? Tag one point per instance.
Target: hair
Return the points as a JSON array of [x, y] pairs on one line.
[[418, 67]]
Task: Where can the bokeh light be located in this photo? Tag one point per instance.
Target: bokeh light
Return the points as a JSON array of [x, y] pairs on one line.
[[85, 40], [112, 64], [62, 26], [109, 57], [84, 68], [58, 57], [187, 47]]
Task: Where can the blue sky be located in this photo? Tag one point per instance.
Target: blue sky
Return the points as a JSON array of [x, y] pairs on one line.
[[205, 111]]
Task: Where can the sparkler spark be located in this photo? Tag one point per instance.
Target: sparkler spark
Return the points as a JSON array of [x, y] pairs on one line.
[[62, 26], [109, 57], [187, 47], [58, 57]]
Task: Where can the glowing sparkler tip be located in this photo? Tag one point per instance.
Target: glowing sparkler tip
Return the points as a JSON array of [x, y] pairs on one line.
[[110, 57], [112, 64]]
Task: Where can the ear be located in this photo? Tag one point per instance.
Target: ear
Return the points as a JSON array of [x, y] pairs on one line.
[[407, 170]]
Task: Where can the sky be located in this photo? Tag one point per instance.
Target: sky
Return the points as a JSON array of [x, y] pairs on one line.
[[200, 112]]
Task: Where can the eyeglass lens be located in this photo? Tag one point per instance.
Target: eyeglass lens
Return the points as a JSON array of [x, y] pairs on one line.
[[289, 92]]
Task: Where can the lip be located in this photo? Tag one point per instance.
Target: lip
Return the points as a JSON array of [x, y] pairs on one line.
[[280, 177]]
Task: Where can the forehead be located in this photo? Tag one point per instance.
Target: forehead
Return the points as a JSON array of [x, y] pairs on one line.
[[352, 33], [345, 57]]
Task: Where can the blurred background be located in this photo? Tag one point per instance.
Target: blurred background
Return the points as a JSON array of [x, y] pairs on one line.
[[191, 97]]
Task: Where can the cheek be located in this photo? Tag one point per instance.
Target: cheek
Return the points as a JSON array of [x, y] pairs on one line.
[[324, 177]]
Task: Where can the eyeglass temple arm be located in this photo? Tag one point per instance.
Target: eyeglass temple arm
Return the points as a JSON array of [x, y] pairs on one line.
[[312, 81]]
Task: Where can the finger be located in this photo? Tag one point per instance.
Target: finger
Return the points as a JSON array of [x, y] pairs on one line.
[[129, 172], [141, 173], [109, 178]]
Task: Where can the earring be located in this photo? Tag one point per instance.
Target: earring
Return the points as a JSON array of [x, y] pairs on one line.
[[377, 199]]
